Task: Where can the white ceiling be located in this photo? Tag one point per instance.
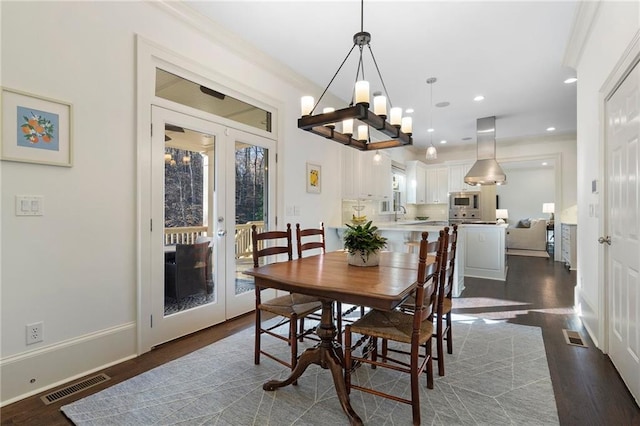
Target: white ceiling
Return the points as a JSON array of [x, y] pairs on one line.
[[510, 52]]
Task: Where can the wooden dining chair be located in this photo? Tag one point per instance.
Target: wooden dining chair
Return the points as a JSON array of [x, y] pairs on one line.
[[414, 329], [442, 317], [315, 234], [291, 307], [318, 242]]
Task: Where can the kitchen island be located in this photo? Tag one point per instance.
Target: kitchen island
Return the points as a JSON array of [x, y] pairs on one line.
[[400, 233], [481, 250]]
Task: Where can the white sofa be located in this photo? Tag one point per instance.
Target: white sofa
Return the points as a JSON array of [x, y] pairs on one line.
[[532, 238]]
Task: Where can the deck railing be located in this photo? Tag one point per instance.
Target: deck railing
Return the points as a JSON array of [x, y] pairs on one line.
[[183, 235], [189, 234], [244, 248]]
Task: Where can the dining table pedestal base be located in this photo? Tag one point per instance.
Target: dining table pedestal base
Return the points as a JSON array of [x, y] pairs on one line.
[[327, 354]]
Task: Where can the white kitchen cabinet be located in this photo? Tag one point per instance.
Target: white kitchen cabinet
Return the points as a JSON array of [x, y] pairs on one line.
[[437, 185], [364, 179], [457, 172], [384, 177], [568, 241], [350, 173], [416, 182], [376, 180]]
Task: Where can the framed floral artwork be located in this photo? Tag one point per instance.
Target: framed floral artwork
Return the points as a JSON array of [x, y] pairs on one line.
[[313, 178], [36, 129]]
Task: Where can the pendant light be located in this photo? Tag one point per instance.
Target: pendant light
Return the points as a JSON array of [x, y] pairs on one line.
[[432, 153]]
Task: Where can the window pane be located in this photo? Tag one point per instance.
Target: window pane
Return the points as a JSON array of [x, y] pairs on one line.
[[177, 89]]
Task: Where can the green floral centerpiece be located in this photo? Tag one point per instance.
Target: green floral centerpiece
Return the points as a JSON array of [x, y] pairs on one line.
[[363, 243]]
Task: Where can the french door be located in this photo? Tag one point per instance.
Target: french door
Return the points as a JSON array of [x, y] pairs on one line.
[[209, 184]]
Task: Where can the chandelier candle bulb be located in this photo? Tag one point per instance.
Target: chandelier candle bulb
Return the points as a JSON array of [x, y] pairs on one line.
[[347, 127], [363, 133], [407, 125], [380, 106], [306, 105], [396, 116], [326, 110], [362, 92]]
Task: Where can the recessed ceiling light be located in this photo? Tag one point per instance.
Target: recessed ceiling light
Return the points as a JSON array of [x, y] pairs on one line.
[[570, 80], [550, 129], [545, 163], [409, 110], [479, 98], [430, 130], [443, 141], [442, 104]]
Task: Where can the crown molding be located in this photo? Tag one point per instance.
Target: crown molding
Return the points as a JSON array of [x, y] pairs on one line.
[[583, 18]]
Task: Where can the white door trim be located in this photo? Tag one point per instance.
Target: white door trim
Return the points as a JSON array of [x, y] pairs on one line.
[[625, 64], [150, 55]]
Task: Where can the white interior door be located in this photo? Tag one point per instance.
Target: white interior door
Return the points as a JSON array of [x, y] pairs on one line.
[[623, 226]]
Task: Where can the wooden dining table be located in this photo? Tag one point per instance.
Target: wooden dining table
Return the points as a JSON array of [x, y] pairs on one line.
[[330, 278]]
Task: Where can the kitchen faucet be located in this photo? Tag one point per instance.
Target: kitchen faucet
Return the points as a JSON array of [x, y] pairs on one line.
[[404, 212]]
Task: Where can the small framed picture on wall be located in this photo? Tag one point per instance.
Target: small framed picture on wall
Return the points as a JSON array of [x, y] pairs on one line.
[[36, 129], [314, 176]]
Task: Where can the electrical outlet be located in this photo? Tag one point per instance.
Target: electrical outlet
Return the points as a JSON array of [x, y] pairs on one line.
[[34, 333]]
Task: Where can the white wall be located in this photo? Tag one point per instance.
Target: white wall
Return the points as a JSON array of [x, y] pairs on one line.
[[75, 267], [611, 33]]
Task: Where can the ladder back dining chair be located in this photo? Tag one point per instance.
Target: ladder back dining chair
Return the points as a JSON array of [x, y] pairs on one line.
[[292, 308], [414, 329]]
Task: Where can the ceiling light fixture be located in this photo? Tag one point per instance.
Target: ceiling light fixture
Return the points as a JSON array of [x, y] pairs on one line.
[[443, 141], [398, 128], [570, 80], [479, 98], [550, 129], [432, 153]]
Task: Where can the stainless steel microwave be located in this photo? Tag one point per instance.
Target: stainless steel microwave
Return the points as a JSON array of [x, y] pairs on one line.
[[464, 200]]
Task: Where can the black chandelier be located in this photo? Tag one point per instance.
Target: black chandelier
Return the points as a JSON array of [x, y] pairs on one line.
[[398, 128]]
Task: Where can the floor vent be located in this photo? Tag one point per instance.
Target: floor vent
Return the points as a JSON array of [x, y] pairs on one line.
[[573, 338], [74, 388]]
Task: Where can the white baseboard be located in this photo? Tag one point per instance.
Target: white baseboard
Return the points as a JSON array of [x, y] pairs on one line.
[[588, 317], [32, 372]]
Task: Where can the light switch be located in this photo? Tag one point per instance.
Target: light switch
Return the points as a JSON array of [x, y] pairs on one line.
[[29, 205]]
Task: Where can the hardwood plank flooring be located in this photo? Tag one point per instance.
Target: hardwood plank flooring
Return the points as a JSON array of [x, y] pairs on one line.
[[538, 292]]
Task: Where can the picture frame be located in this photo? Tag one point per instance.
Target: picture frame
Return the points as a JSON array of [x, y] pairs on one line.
[[35, 129], [314, 178]]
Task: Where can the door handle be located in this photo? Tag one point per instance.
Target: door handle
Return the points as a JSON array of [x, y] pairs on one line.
[[222, 232], [606, 239]]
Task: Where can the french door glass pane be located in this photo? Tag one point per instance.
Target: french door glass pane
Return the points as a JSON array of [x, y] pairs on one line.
[[188, 246], [251, 163]]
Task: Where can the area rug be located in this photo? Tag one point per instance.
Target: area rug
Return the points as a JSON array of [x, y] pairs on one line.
[[498, 375], [532, 253]]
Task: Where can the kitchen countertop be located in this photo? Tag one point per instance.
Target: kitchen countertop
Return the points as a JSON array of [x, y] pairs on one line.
[[408, 225]]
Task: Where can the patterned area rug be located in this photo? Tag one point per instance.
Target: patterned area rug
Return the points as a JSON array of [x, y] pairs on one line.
[[532, 253], [498, 375]]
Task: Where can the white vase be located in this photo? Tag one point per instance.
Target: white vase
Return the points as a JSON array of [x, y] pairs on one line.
[[358, 259]]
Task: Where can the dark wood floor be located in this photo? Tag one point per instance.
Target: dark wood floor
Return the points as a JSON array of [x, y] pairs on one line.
[[588, 389]]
